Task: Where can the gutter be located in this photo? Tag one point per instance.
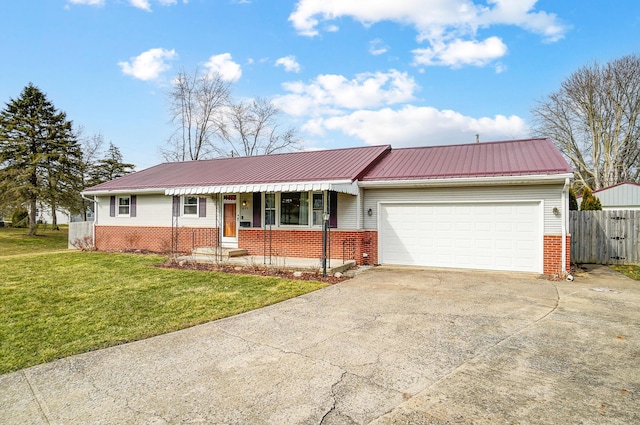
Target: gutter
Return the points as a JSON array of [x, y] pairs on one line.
[[122, 192], [467, 181], [563, 265]]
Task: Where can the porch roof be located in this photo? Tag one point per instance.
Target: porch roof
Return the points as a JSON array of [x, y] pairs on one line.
[[344, 186]]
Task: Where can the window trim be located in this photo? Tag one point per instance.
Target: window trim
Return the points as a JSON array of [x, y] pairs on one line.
[[275, 209], [308, 225], [128, 206], [322, 209], [184, 205]]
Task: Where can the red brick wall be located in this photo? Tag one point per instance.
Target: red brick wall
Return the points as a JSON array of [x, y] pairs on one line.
[[308, 244], [156, 239], [553, 254]]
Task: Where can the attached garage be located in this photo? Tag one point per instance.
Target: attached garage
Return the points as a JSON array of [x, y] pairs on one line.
[[483, 235]]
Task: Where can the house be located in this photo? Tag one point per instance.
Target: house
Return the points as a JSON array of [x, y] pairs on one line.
[[621, 196], [492, 206], [43, 215]]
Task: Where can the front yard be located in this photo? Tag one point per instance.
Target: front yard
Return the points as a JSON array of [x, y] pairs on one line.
[[14, 241], [60, 304]]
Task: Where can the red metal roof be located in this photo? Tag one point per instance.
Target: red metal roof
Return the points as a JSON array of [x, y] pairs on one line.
[[374, 163], [337, 164], [509, 158]]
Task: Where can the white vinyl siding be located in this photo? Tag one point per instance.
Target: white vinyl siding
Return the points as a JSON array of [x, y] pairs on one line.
[[347, 211], [550, 195], [154, 210]]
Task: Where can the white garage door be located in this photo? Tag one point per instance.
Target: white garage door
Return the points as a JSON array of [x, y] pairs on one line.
[[491, 236]]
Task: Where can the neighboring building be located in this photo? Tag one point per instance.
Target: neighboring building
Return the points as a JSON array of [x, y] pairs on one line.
[[621, 196], [494, 206], [43, 215]]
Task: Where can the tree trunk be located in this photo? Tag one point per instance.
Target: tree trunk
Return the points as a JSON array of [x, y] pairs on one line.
[[32, 217], [54, 217]]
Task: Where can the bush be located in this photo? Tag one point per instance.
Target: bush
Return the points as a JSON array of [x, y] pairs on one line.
[[20, 218], [573, 203], [589, 202]]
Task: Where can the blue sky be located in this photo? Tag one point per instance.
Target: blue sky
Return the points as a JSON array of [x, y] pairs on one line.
[[346, 73]]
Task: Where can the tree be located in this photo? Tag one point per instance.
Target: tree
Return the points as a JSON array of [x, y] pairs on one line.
[[573, 202], [110, 167], [589, 201], [196, 103], [593, 119], [251, 128], [39, 154]]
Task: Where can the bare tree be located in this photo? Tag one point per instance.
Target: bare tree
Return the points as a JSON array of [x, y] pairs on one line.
[[593, 119], [196, 102], [252, 128]]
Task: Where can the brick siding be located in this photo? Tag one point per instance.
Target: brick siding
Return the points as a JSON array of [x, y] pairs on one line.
[[155, 239], [347, 244], [553, 254]]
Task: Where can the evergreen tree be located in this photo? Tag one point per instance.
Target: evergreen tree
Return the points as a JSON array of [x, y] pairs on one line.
[[573, 202], [109, 168], [39, 154], [589, 201]]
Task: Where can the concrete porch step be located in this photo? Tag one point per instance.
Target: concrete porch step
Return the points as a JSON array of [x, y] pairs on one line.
[[217, 251]]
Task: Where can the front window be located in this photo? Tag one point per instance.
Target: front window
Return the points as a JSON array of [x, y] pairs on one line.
[[294, 208], [190, 205], [269, 209], [124, 205], [318, 208]]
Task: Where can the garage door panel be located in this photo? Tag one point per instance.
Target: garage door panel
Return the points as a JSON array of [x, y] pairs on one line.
[[501, 236]]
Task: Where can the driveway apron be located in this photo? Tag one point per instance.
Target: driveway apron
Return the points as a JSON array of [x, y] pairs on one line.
[[392, 345]]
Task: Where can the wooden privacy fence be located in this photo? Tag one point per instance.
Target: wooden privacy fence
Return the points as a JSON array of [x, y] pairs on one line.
[[605, 237]]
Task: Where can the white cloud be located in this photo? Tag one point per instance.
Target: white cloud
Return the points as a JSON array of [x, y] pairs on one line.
[[88, 2], [289, 63], [148, 65], [377, 47], [330, 94], [141, 4], [448, 26], [413, 125], [224, 65], [458, 53]]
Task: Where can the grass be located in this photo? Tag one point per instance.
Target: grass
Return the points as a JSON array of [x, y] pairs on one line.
[[56, 305], [630, 270], [15, 241]]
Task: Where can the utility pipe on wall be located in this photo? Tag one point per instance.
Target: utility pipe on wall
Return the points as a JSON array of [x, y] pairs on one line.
[[564, 226]]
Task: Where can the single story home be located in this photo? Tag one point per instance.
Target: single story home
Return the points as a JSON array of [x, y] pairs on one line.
[[621, 196], [492, 206]]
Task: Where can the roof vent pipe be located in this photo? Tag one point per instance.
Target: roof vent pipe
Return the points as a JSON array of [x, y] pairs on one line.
[[477, 137]]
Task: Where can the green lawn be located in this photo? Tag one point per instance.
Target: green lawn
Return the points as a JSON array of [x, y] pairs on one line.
[[56, 305], [16, 241], [631, 270]]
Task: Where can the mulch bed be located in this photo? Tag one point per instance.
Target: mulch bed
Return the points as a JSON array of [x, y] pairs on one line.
[[253, 270]]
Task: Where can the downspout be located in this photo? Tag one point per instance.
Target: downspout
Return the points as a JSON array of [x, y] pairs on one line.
[[564, 228], [95, 217]]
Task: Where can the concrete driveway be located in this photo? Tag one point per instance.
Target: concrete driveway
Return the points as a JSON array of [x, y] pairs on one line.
[[391, 346]]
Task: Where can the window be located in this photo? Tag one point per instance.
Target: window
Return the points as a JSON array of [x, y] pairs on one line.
[[124, 206], [190, 205], [318, 208], [294, 209], [269, 209]]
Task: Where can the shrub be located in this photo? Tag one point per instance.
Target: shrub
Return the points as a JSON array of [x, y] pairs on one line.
[[573, 203], [20, 218], [590, 202]]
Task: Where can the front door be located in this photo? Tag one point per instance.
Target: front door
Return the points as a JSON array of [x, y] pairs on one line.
[[229, 221]]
